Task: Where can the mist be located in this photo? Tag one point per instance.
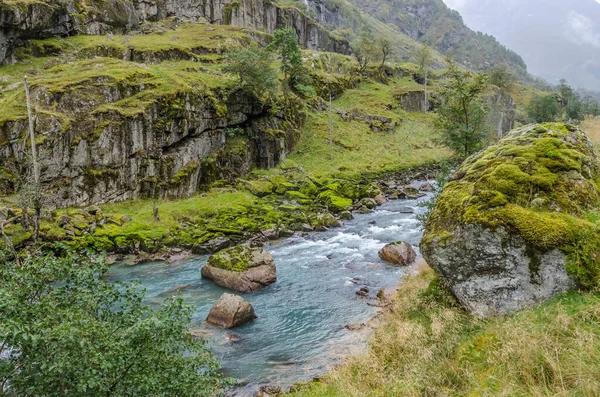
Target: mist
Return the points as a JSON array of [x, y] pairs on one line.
[[556, 38]]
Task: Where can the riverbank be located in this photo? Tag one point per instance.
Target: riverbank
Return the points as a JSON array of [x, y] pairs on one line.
[[427, 345], [316, 309]]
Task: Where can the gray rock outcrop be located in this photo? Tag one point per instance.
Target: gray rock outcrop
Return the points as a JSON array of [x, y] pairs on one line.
[[231, 311], [27, 20], [241, 269], [508, 230]]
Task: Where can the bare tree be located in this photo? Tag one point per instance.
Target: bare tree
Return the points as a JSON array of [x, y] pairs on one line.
[[36, 189], [424, 59]]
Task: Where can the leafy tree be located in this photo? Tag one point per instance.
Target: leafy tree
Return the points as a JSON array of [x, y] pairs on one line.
[[462, 115], [294, 73], [572, 105], [67, 331], [253, 66], [501, 77], [544, 108], [424, 59], [365, 49]]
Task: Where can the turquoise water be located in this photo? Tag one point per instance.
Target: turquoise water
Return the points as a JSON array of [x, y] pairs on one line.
[[300, 332]]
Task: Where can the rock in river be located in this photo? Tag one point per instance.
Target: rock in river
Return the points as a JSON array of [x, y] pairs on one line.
[[398, 253], [510, 229], [231, 311], [241, 268]]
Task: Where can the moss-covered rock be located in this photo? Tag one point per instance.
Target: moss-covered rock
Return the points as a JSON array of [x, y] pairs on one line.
[[512, 228], [259, 188], [241, 268], [334, 202]]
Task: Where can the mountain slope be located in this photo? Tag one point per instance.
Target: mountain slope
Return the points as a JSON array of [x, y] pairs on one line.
[[572, 28], [433, 23]]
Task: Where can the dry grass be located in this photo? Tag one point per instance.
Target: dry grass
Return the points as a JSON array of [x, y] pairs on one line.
[[428, 347], [591, 126]]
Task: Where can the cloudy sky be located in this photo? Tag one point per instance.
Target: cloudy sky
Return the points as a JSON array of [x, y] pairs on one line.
[[557, 38]]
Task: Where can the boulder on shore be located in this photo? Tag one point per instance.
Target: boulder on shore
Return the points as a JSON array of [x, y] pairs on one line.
[[398, 253], [231, 311], [509, 230], [241, 269]]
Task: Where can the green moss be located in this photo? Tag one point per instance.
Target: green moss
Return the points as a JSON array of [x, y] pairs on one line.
[[259, 188], [334, 202], [236, 259]]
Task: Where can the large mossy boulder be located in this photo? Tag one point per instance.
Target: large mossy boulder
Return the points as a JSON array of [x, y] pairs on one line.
[[241, 269], [516, 225]]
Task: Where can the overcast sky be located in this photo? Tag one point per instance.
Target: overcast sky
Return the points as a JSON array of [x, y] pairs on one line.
[[557, 38]]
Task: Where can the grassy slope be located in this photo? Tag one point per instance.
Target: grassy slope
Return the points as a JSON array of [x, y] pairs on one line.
[[430, 347]]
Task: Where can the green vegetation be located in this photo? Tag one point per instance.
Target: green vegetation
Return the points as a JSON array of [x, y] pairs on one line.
[[565, 105], [544, 108], [253, 66], [462, 112], [236, 259], [68, 331], [427, 345], [295, 75]]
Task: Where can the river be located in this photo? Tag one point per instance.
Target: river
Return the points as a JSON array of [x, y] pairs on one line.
[[300, 332]]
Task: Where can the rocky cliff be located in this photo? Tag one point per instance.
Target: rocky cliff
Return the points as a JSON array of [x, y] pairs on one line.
[[22, 20], [119, 118], [515, 225]]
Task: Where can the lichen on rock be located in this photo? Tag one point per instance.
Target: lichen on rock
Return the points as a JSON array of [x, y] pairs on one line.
[[512, 228]]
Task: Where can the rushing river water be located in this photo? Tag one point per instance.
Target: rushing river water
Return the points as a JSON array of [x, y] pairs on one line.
[[301, 330]]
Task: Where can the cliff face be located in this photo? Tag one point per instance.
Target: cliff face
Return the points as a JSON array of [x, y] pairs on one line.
[[127, 117], [21, 20]]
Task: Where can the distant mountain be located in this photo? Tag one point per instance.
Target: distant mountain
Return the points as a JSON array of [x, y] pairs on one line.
[[433, 23], [557, 38]]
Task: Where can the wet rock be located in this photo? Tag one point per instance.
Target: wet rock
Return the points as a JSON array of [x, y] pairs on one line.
[[398, 253], [231, 311], [212, 246], [286, 233], [355, 327], [271, 234], [363, 291], [307, 228], [177, 258], [328, 221], [346, 216], [269, 391], [426, 187], [364, 210], [368, 203], [242, 269], [198, 333], [406, 210], [233, 338], [380, 199], [412, 193]]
